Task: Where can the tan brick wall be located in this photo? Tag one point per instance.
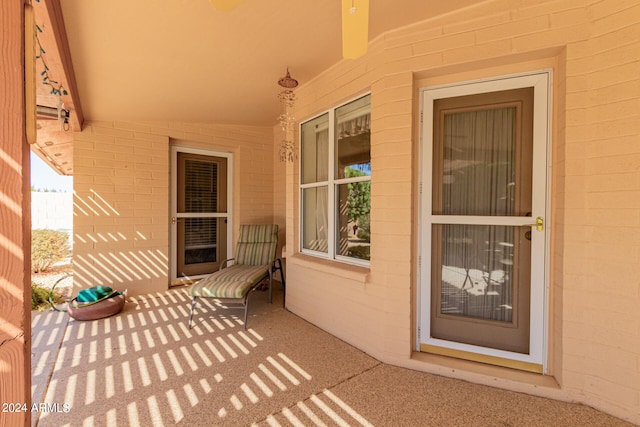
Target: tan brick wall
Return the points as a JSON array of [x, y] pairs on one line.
[[594, 50], [121, 202], [601, 207], [279, 190]]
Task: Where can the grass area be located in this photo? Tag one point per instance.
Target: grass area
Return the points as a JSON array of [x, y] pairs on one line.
[[40, 297]]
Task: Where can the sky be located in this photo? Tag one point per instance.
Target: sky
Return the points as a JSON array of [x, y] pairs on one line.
[[45, 178]]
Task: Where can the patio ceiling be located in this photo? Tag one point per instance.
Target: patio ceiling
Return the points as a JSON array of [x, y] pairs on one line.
[[181, 60]]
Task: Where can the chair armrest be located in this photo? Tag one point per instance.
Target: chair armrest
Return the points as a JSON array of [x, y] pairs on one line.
[[224, 263]]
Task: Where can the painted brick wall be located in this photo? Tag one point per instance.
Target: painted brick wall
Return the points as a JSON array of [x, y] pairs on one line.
[[51, 210], [593, 47], [279, 190], [121, 203], [601, 211]]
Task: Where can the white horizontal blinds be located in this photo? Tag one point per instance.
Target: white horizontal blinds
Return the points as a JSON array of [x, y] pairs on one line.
[[201, 186], [201, 196], [200, 232]]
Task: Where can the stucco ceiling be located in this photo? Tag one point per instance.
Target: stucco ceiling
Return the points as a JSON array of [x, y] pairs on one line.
[[181, 60]]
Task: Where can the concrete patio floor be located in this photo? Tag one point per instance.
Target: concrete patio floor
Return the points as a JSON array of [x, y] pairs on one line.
[[144, 367]]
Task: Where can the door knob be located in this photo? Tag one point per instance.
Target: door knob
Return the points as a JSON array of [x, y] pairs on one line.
[[175, 220]]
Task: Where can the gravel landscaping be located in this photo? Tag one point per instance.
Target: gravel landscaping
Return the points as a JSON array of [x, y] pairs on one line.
[[57, 272]]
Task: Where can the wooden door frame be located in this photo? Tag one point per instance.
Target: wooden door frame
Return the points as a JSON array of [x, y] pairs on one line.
[[16, 18], [173, 242], [536, 360]]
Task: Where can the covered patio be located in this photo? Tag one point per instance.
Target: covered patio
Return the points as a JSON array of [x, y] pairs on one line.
[[122, 95], [144, 367]]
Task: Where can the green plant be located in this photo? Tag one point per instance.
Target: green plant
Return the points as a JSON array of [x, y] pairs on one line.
[[360, 252], [47, 248], [364, 228], [40, 297], [359, 203], [359, 196]]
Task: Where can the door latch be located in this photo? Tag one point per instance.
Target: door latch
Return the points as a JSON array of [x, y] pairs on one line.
[[175, 220], [539, 224]]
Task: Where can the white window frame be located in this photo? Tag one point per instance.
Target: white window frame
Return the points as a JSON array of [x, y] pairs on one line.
[[331, 184]]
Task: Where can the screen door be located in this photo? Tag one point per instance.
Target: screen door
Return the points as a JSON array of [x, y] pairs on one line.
[[485, 225], [200, 217]]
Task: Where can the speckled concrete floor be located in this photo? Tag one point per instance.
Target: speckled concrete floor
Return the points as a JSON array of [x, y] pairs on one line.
[[144, 367]]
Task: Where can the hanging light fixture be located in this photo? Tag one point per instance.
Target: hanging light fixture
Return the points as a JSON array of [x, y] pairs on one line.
[[287, 97], [225, 5], [355, 28], [355, 24]]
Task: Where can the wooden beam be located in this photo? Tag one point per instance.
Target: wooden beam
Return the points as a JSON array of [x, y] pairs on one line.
[[54, 40], [15, 217], [52, 143]]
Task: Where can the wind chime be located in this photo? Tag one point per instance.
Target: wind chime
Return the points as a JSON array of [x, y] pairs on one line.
[[287, 122]]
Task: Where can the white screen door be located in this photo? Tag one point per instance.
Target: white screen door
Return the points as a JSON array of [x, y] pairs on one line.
[[483, 214], [200, 218]]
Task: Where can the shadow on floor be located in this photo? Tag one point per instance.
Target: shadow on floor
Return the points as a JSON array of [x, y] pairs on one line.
[[144, 367]]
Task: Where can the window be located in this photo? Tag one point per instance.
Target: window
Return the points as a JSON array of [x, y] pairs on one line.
[[335, 183]]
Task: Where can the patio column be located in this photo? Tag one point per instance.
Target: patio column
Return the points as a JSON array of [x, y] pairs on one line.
[[15, 220]]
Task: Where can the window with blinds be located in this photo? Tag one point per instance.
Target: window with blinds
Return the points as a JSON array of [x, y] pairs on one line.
[[201, 186], [201, 196]]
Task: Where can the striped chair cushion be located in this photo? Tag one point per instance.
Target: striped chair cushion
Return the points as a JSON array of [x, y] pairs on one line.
[[257, 244], [255, 233], [231, 282]]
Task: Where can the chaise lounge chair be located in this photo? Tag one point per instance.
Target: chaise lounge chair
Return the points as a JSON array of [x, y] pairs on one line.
[[231, 285]]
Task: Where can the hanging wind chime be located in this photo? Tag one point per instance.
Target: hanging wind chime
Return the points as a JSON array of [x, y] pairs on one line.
[[287, 97]]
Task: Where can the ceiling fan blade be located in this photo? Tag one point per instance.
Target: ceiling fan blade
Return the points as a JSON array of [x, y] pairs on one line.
[[355, 28], [225, 5]]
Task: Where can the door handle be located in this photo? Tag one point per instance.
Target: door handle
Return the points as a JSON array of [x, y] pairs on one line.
[[539, 224], [175, 220]]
